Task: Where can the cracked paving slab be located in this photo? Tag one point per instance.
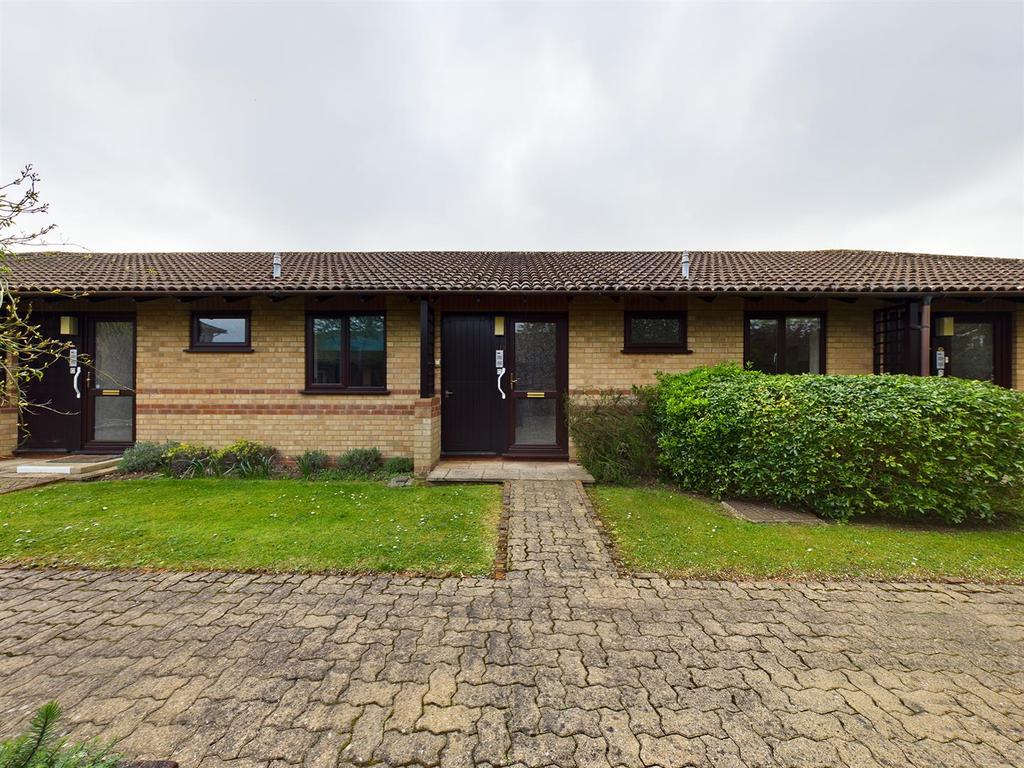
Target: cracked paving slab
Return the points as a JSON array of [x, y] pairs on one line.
[[564, 662]]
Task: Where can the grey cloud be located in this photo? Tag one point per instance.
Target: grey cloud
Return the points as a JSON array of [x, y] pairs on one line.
[[516, 126]]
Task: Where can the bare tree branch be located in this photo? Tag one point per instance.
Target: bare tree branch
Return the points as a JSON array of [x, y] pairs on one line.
[[25, 352]]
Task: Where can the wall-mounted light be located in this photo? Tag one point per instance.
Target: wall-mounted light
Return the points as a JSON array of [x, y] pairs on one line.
[[499, 325], [68, 325], [944, 326]]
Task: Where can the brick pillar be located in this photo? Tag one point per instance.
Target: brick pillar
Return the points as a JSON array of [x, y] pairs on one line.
[[8, 430], [427, 440]]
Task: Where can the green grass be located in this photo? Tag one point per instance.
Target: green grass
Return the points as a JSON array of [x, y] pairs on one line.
[[657, 529], [272, 525]]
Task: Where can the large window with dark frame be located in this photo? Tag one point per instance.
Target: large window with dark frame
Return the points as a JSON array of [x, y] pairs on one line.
[[784, 342], [655, 332], [220, 332], [346, 352]]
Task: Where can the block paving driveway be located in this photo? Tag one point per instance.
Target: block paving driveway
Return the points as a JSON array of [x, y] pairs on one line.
[[561, 663]]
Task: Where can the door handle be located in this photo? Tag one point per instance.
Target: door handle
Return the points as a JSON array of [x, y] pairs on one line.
[[448, 393], [74, 383], [501, 372]]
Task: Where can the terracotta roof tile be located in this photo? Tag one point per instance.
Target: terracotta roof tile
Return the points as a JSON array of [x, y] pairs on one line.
[[472, 271]]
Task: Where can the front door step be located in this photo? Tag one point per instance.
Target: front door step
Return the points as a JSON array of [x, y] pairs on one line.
[[497, 470], [76, 465]]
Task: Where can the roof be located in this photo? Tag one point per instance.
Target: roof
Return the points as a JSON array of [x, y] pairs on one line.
[[486, 271]]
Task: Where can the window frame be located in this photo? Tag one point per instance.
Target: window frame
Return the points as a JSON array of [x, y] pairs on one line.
[[781, 336], [678, 347], [342, 388], [194, 345]]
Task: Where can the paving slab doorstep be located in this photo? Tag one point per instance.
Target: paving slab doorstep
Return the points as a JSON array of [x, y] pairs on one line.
[[563, 662], [758, 512], [499, 470]]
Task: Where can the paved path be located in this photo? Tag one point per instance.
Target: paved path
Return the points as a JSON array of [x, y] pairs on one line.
[[561, 663]]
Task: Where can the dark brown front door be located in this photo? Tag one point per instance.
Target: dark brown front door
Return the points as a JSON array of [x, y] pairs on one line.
[[538, 382], [472, 410], [110, 383], [503, 383], [52, 419]]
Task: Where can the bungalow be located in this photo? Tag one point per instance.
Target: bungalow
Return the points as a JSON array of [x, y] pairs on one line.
[[465, 353]]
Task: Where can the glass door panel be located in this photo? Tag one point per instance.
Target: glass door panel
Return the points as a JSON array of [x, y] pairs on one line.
[[538, 385], [975, 345], [114, 354], [113, 419], [970, 350], [972, 353], [536, 356], [111, 387], [535, 421]]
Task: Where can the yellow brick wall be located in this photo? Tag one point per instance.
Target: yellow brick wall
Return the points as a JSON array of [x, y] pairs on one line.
[[715, 334], [596, 359], [427, 438], [215, 398], [849, 336]]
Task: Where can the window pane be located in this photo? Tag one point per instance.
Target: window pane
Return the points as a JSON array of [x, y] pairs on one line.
[[536, 356], [654, 330], [803, 345], [366, 351], [763, 342], [536, 421], [972, 351], [327, 350], [115, 358], [221, 330], [113, 419]]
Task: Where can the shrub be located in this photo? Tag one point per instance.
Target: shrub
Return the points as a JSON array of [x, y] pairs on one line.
[[246, 458], [187, 460], [616, 435], [359, 462], [39, 746], [901, 446], [311, 463], [398, 465], [144, 457]]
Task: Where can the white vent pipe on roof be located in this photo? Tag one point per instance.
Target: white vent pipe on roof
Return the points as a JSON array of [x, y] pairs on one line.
[[686, 265], [277, 265]]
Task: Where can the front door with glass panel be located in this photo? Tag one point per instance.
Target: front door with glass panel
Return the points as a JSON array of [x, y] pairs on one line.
[[538, 382], [109, 394], [972, 346]]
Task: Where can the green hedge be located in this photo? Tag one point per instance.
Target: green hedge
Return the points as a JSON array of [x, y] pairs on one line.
[[900, 446]]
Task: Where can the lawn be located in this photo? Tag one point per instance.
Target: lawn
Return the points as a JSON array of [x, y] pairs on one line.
[[658, 529], [271, 525]]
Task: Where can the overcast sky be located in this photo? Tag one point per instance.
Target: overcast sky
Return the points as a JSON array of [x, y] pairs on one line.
[[288, 126]]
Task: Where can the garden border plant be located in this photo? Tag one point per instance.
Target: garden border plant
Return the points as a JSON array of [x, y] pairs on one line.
[[250, 459], [616, 434]]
